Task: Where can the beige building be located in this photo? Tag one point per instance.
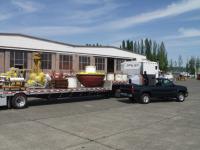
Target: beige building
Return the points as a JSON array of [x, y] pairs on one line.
[[16, 50]]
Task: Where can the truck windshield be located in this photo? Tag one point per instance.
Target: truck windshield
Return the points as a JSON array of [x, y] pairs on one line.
[[167, 82], [158, 82]]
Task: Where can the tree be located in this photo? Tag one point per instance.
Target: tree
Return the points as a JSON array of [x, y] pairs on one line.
[[147, 49], [135, 47], [180, 62], [166, 61], [123, 45], [151, 54], [142, 47], [138, 48], [187, 67], [162, 57], [197, 64], [131, 46], [192, 65], [154, 55], [128, 45], [171, 64], [175, 63], [152, 50]]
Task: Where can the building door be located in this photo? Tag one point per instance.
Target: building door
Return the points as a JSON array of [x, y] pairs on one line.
[[110, 65]]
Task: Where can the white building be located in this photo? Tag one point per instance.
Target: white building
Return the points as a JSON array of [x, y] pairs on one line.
[[16, 50]]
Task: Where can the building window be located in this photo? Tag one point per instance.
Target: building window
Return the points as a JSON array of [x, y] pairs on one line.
[[65, 62], [118, 64], [18, 59], [46, 60], [100, 63], [83, 61]]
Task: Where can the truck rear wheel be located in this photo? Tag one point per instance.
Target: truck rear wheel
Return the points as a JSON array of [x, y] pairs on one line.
[[19, 101], [132, 99], [145, 98]]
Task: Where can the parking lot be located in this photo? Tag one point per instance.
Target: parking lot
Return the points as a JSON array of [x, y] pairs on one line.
[[104, 124]]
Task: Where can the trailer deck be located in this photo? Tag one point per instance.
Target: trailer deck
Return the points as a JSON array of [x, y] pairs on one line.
[[30, 91], [18, 98]]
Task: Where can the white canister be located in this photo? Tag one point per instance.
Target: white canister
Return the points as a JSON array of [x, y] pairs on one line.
[[124, 77], [17, 79], [72, 82], [90, 69], [110, 77], [118, 77]]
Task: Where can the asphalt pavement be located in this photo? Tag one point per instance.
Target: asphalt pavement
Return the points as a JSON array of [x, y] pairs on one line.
[[104, 124]]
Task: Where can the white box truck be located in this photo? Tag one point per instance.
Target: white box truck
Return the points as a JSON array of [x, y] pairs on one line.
[[135, 69]]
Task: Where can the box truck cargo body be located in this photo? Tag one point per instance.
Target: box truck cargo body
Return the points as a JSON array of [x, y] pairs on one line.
[[135, 69]]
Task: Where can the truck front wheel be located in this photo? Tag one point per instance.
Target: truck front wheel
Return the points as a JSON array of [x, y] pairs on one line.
[[145, 98], [19, 101], [180, 97]]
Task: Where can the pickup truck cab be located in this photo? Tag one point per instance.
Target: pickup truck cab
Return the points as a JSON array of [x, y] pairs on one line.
[[163, 88]]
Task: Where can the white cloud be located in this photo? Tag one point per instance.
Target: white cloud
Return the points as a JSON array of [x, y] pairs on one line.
[[192, 32], [87, 2], [171, 10], [101, 12], [27, 6], [91, 2], [49, 30], [185, 33], [195, 18], [187, 39], [4, 16], [182, 43]]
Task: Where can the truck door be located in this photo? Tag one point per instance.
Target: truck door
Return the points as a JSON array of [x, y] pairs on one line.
[[157, 89], [169, 88]]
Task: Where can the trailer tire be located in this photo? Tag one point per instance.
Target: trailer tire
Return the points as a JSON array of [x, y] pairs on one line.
[[19, 101]]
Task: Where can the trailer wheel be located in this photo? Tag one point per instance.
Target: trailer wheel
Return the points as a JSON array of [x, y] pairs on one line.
[[19, 101], [145, 98]]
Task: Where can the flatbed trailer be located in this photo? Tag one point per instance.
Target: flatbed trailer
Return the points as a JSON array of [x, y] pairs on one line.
[[18, 98]]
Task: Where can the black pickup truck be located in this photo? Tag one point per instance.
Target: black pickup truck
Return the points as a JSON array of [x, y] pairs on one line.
[[163, 88]]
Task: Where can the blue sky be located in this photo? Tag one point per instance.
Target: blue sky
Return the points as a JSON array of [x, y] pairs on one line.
[[176, 22]]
